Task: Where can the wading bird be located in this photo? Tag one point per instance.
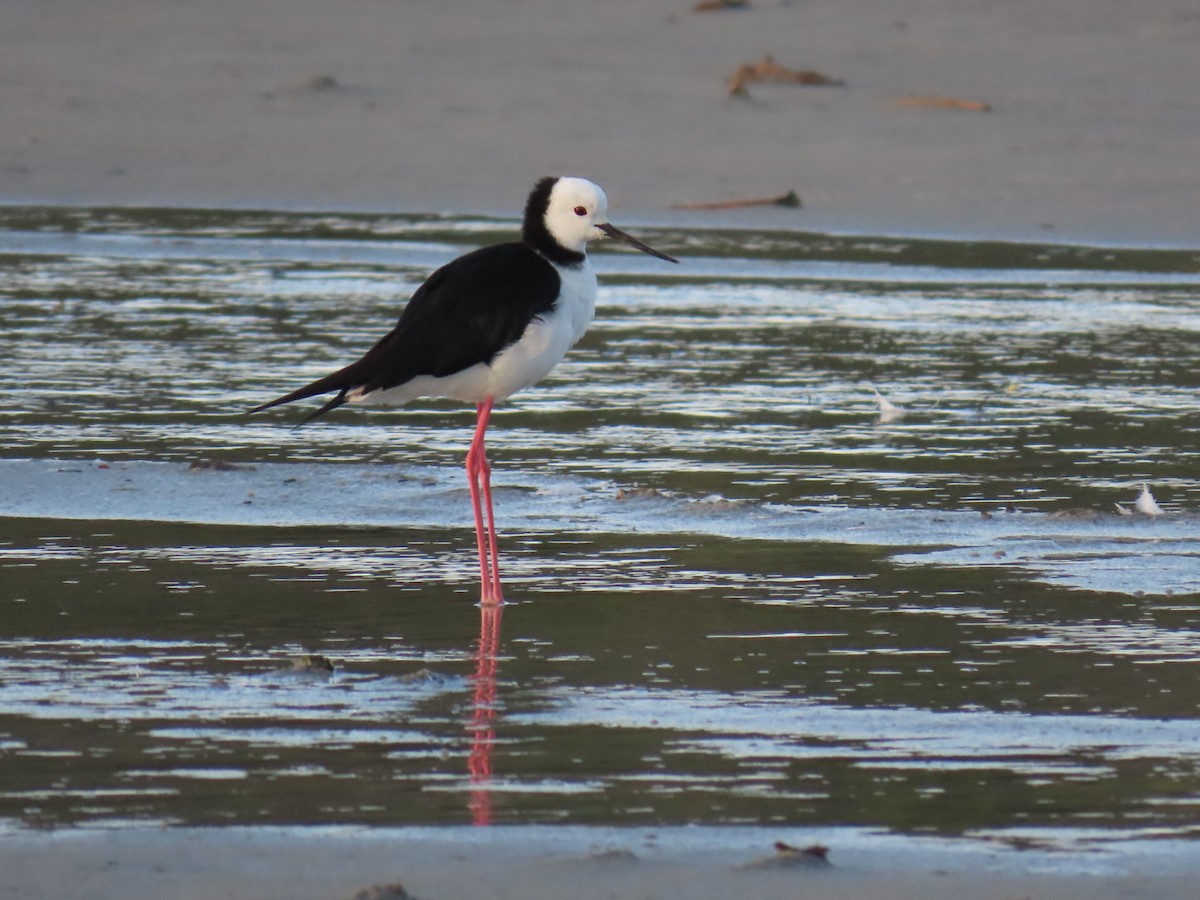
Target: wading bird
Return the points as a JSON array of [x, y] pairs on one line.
[[486, 325]]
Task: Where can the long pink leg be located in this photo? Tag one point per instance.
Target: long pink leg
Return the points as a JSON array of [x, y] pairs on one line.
[[479, 480], [497, 595], [473, 484], [473, 468]]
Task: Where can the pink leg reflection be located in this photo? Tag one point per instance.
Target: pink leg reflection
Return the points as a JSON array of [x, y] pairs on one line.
[[480, 762]]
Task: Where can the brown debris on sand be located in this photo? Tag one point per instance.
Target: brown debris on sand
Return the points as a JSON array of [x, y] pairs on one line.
[[214, 465], [790, 199], [946, 103], [322, 84], [767, 70], [614, 855], [787, 856], [384, 892], [720, 5]]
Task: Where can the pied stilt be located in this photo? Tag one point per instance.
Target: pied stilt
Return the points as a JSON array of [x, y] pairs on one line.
[[485, 326]]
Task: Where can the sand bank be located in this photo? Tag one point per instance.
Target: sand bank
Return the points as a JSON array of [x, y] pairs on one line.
[[580, 863], [1093, 131]]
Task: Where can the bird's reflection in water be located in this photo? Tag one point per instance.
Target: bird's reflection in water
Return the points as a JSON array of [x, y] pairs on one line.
[[484, 712]]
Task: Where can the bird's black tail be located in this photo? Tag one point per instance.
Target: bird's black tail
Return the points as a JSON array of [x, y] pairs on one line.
[[338, 381]]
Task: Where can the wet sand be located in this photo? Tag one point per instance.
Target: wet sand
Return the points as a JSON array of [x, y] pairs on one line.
[[599, 864], [1091, 134]]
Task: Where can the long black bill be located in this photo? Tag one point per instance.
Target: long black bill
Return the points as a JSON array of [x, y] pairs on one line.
[[614, 232]]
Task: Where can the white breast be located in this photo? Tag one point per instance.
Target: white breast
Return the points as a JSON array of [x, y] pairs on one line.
[[548, 338], [577, 297]]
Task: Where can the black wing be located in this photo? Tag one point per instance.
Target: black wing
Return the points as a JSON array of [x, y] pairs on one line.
[[465, 313]]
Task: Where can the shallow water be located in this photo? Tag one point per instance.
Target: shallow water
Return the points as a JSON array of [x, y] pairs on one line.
[[742, 595]]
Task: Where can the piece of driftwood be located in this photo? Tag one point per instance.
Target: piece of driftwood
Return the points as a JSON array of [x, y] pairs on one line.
[[790, 199], [947, 103], [767, 70], [384, 892], [786, 856]]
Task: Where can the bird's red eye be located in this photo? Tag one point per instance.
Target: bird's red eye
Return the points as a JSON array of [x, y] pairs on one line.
[[581, 210]]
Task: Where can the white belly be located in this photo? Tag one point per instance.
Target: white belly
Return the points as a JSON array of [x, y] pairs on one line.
[[545, 341]]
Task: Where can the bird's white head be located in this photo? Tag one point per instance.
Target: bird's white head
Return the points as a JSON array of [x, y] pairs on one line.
[[573, 210], [563, 214]]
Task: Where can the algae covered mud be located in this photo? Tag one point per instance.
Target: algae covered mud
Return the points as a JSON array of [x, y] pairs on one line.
[[746, 591]]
